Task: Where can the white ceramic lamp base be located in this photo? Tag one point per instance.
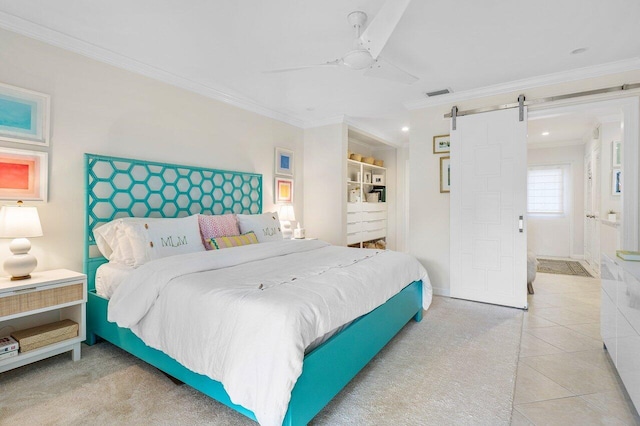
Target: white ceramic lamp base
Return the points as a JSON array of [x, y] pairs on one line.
[[21, 264], [287, 232]]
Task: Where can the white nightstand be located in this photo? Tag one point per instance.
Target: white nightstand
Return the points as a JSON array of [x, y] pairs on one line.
[[45, 298]]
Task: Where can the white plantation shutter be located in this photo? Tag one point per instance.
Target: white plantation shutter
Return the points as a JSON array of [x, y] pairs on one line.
[[545, 189]]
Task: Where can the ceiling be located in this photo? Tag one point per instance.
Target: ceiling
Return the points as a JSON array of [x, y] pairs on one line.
[[222, 48]]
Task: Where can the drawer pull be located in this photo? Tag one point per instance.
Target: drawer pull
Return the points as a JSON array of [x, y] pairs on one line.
[[25, 289]]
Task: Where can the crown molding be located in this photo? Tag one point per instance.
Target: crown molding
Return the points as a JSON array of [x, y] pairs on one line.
[[529, 83], [359, 127], [64, 41], [554, 144]]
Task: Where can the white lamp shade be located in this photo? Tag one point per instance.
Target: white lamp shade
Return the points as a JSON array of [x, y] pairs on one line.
[[286, 213], [19, 222]]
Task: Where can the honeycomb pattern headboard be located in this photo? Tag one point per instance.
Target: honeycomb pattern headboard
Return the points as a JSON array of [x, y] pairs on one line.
[[122, 187]]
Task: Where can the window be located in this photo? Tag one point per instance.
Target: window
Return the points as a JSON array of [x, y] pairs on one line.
[[545, 189]]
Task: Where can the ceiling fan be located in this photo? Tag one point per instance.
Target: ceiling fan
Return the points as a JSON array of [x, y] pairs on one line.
[[369, 44]]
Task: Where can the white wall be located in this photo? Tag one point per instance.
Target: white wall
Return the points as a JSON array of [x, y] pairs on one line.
[[97, 108], [428, 232], [560, 236], [325, 179]]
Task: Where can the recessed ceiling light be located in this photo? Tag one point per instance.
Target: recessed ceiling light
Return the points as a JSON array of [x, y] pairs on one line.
[[405, 129], [545, 133], [578, 50]]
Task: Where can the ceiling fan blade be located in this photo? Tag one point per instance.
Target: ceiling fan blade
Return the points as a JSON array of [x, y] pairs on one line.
[[388, 71], [381, 27], [302, 67]]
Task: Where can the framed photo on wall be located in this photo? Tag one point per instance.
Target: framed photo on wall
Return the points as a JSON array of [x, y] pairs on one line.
[[616, 182], [284, 162], [23, 175], [24, 116], [445, 174], [441, 144], [616, 154], [283, 190]]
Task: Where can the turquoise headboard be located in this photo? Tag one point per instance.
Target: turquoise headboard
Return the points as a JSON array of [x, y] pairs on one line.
[[123, 187]]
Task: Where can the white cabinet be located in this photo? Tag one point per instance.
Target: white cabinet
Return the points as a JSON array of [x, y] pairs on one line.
[[620, 320], [46, 297]]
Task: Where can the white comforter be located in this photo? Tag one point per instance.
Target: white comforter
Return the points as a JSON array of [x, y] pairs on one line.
[[244, 316]]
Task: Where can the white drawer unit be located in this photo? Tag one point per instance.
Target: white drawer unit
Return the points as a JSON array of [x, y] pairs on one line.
[[354, 207], [45, 298], [375, 225], [620, 320], [354, 217], [375, 215], [354, 238], [353, 228]]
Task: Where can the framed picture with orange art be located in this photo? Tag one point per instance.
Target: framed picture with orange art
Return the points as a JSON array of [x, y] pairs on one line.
[[284, 190], [23, 175]]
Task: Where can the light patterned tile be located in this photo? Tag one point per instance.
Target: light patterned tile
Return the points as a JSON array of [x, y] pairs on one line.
[[565, 339], [566, 411], [533, 346], [518, 419], [562, 316], [614, 403], [533, 321], [578, 376], [590, 330], [532, 386]]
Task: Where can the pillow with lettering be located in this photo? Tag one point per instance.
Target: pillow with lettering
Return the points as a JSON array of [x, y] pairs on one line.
[[266, 226], [170, 237]]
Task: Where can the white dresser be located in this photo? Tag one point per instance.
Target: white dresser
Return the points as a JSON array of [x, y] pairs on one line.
[[366, 222], [620, 320]]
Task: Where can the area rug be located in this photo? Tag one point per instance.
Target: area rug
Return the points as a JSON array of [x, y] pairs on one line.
[[457, 366], [562, 267]]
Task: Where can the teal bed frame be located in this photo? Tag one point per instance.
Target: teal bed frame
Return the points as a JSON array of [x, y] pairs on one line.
[[120, 187]]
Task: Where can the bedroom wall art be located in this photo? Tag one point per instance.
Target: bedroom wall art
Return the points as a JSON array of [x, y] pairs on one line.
[[284, 190], [284, 162], [24, 116], [441, 144], [445, 174], [23, 175]]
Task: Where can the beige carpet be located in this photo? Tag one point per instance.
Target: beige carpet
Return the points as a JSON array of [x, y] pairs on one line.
[[457, 366]]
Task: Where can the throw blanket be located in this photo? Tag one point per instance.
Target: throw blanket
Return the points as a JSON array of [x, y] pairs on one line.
[[243, 316]]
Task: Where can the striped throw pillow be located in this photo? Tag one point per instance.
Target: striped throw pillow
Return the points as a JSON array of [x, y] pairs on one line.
[[232, 241]]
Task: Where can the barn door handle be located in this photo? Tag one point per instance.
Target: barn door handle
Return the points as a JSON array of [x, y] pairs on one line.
[[521, 224]]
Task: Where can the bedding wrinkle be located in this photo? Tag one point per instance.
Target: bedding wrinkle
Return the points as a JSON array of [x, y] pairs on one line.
[[206, 310]]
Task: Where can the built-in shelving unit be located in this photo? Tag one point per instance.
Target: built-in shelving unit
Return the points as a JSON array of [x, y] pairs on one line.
[[366, 214]]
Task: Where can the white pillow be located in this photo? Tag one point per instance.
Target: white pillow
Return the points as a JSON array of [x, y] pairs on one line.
[[266, 226], [135, 241], [112, 242]]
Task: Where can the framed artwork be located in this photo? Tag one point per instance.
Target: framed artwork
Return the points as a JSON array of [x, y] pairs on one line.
[[441, 144], [445, 174], [616, 154], [284, 162], [616, 182], [23, 175], [284, 190], [24, 116]]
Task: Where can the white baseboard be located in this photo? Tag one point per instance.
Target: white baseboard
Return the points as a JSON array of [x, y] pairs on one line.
[[437, 291], [577, 256]]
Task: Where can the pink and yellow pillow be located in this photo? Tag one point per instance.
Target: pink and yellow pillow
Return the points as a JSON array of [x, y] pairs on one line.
[[214, 226], [231, 241]]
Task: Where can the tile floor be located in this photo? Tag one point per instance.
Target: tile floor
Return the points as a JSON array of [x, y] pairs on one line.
[[565, 377]]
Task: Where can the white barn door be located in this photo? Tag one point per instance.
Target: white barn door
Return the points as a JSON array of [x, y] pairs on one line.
[[488, 208]]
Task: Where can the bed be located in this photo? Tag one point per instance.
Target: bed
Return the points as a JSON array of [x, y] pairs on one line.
[[118, 187]]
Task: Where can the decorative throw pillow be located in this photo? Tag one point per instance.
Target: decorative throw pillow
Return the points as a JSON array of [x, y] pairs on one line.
[[214, 226], [266, 226], [114, 243], [231, 241], [170, 237]]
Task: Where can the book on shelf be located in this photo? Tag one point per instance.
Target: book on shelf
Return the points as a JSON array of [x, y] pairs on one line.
[[8, 344], [9, 354], [628, 255]]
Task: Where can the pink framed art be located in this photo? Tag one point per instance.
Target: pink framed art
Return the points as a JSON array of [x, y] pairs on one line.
[[23, 175], [284, 190]]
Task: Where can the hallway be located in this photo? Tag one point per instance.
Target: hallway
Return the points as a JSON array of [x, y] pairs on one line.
[[565, 377]]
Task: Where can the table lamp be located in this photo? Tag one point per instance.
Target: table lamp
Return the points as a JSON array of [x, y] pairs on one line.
[[19, 222], [286, 215]]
